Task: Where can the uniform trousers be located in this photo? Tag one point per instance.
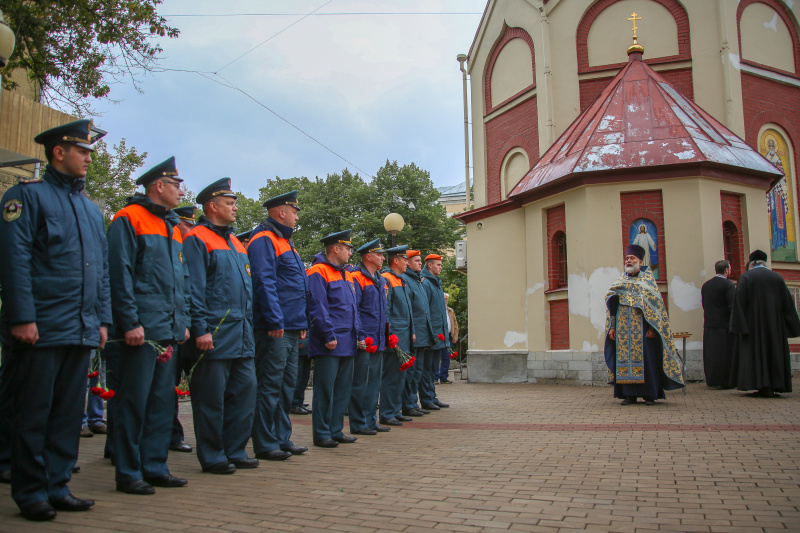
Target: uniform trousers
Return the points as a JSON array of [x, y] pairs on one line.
[[144, 413], [443, 371], [333, 380], [184, 364], [111, 359], [47, 387], [276, 375], [427, 391], [6, 421], [303, 375], [392, 382], [413, 378], [223, 398], [366, 388]]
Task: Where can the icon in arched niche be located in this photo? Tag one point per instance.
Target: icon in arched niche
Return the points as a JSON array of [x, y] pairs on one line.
[[783, 243], [643, 232]]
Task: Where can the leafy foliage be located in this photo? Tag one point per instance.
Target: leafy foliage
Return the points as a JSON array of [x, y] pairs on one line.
[[454, 283], [73, 49], [109, 179]]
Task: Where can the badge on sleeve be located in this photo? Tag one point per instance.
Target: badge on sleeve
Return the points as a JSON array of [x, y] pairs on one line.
[[180, 257], [12, 210], [247, 267]]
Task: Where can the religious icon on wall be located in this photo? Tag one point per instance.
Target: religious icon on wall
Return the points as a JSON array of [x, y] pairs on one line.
[[643, 233], [783, 243]]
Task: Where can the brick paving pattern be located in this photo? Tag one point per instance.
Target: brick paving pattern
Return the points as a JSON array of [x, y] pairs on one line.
[[519, 457]]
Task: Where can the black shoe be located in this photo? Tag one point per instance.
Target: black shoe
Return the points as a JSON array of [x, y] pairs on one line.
[[326, 443], [445, 381], [76, 469], [167, 480], [431, 406], [5, 476], [244, 464], [139, 486], [295, 450], [180, 446], [628, 401], [391, 422], [99, 428], [300, 410], [440, 404], [402, 418], [274, 455], [383, 429], [411, 412], [222, 468], [423, 411], [344, 439], [39, 511], [86, 433], [365, 431], [70, 503], [649, 402]]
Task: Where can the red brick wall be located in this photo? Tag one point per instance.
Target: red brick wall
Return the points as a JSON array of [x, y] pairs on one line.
[[732, 212], [508, 35], [517, 127], [559, 325], [674, 7], [645, 204], [556, 221], [680, 78]]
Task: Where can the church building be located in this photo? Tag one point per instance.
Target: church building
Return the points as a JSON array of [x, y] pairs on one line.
[[602, 123]]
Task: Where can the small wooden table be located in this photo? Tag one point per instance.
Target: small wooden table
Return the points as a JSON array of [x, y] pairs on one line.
[[683, 335]]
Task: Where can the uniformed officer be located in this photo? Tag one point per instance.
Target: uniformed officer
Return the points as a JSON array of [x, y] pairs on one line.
[[372, 311], [223, 383], [148, 276], [401, 324], [424, 335], [279, 285], [56, 309], [333, 312], [186, 215], [432, 285]]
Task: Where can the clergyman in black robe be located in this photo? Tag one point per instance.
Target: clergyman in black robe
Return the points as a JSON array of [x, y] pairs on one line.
[[719, 344], [764, 317]]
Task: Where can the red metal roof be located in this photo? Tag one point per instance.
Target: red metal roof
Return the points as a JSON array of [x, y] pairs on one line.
[[640, 120]]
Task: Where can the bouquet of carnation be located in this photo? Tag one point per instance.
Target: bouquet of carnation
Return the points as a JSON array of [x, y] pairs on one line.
[[371, 346], [453, 354], [164, 355], [406, 360]]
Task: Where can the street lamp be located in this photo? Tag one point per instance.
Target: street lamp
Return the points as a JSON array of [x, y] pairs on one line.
[[7, 41], [394, 223]]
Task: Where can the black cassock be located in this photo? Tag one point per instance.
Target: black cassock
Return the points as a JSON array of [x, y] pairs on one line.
[[765, 317], [719, 344]]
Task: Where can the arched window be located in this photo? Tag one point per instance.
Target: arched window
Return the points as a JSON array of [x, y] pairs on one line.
[[559, 250], [730, 246]]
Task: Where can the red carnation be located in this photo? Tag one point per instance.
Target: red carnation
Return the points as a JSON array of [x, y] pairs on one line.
[[453, 355], [97, 391], [372, 349], [107, 395], [392, 341], [441, 337], [166, 356], [93, 374], [368, 341]]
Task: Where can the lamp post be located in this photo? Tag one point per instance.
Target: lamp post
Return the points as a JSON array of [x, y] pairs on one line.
[[7, 41], [394, 223], [461, 59]]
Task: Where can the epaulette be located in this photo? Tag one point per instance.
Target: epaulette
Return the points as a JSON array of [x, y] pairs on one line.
[[25, 181]]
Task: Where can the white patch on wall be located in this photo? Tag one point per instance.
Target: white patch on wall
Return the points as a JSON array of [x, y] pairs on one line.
[[535, 288], [702, 273], [734, 59], [579, 299], [587, 297], [515, 337], [772, 24], [685, 295], [588, 347]]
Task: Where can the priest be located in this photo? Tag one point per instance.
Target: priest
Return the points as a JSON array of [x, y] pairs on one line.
[[640, 354], [719, 344], [764, 317]]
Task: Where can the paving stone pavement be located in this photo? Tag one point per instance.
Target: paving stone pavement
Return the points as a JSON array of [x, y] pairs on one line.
[[521, 457]]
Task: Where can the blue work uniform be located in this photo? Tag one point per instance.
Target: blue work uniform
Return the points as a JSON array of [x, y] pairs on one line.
[[149, 278], [54, 274], [280, 287], [432, 286], [425, 337], [367, 367], [223, 384], [401, 324], [333, 312]]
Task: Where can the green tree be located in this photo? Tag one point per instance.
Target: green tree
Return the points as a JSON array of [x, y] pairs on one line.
[[249, 213], [73, 49], [109, 181], [454, 283]]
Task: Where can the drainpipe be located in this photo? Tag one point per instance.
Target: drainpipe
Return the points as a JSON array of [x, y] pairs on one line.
[[461, 59], [726, 64], [548, 79]]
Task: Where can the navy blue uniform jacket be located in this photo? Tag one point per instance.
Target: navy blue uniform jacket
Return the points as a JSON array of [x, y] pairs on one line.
[[149, 278], [401, 321], [420, 308], [372, 305], [279, 279], [55, 262], [219, 275], [332, 309]]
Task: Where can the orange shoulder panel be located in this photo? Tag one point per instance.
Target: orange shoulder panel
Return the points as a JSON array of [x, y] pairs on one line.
[[238, 244], [143, 221], [280, 244], [212, 240], [393, 280], [327, 272]]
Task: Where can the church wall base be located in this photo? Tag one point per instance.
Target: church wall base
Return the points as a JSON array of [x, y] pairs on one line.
[[494, 366]]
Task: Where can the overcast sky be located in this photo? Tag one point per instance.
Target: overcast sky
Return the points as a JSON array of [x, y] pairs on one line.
[[369, 87]]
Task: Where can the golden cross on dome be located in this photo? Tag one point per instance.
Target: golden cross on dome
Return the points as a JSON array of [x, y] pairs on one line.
[[634, 18]]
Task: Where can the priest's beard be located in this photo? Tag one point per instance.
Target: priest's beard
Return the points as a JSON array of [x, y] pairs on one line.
[[631, 269]]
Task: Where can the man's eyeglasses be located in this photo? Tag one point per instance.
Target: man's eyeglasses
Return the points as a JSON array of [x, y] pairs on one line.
[[177, 184]]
